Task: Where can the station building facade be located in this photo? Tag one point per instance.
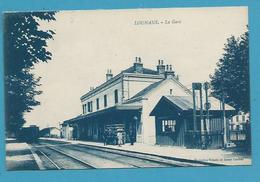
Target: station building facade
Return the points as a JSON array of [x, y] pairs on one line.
[[152, 104]]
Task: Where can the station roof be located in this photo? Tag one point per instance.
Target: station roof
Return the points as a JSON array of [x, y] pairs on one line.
[[182, 102], [185, 103], [147, 89], [144, 71], [121, 107]]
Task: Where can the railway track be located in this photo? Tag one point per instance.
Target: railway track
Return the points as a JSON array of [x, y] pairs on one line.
[[145, 157], [56, 159], [130, 162], [133, 159], [49, 159]]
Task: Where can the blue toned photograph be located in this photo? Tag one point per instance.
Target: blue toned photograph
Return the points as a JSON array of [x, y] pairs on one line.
[[127, 88]]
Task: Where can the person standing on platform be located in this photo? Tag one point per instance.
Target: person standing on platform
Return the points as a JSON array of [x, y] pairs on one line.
[[131, 135], [119, 138], [105, 137]]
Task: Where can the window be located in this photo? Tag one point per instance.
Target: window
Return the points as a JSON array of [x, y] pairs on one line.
[[171, 91], [97, 101], [237, 127], [84, 108], [168, 125], [90, 108], [116, 96], [105, 100]]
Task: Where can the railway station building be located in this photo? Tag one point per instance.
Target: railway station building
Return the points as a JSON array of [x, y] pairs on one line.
[[150, 104]]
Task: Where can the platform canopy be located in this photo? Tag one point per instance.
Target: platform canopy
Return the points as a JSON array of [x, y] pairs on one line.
[[184, 104], [117, 109]]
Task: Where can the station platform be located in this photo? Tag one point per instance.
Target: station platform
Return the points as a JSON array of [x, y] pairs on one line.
[[19, 156], [216, 156]]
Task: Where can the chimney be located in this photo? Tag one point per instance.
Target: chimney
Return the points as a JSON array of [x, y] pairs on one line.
[[91, 88], [109, 75], [177, 77], [160, 67], [169, 73], [138, 65]]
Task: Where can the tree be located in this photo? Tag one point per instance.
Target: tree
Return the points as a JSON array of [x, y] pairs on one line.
[[231, 77], [24, 46]]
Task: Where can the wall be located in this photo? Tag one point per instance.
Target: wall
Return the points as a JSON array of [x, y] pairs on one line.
[[66, 132], [134, 83], [128, 84], [109, 91], [55, 132], [151, 99]]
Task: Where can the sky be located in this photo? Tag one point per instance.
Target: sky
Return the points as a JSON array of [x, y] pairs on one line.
[[87, 43]]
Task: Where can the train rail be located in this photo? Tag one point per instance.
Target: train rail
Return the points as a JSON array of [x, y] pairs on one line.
[[49, 159], [49, 153], [145, 157]]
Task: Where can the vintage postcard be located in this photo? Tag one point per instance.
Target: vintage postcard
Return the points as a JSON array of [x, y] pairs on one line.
[[132, 88]]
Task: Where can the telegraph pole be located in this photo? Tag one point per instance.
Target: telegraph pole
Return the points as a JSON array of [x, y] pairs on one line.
[[198, 86], [202, 131], [224, 120], [207, 107]]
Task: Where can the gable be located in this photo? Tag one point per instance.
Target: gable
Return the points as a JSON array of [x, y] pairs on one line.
[[168, 87], [166, 84]]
